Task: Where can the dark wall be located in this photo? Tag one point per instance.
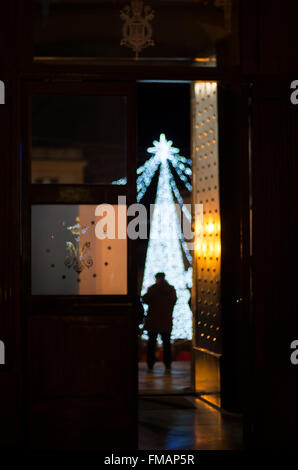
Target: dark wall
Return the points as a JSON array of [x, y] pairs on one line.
[[10, 320], [269, 53], [275, 202]]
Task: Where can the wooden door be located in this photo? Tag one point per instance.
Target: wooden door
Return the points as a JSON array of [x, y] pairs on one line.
[[221, 268], [78, 311], [234, 170]]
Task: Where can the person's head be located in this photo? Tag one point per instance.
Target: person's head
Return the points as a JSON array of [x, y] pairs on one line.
[[159, 277]]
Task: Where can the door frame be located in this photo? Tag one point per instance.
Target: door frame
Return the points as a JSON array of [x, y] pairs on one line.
[[53, 77], [74, 193], [94, 308]]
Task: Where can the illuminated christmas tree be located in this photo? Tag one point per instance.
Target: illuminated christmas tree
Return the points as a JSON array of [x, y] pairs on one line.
[[166, 243]]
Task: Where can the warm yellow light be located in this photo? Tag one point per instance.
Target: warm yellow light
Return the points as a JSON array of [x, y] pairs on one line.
[[198, 248], [210, 227], [205, 59], [218, 248], [198, 228]]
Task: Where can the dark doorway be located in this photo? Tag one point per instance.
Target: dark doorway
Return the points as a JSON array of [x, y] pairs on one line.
[[163, 109], [204, 126]]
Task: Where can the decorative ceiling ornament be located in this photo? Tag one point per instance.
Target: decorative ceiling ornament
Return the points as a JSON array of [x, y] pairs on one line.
[[137, 30]]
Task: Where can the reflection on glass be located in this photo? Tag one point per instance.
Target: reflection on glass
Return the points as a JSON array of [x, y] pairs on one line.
[[200, 31], [78, 139], [68, 258]]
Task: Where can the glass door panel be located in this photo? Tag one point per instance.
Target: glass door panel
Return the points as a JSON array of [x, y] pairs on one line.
[[78, 139], [69, 258], [78, 273]]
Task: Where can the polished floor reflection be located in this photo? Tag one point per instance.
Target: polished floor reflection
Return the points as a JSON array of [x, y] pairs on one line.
[[159, 382], [184, 422]]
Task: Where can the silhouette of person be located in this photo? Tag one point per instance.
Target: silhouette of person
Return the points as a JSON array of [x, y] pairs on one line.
[[161, 298]]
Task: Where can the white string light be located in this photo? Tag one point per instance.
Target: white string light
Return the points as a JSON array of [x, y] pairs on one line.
[[183, 172], [164, 252], [179, 198], [146, 172]]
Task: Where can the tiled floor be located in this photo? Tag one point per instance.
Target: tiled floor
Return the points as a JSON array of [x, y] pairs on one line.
[[186, 423], [178, 381], [181, 422]]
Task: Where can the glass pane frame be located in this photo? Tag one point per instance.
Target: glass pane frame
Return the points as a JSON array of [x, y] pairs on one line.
[[78, 139], [112, 67], [76, 193], [72, 255]]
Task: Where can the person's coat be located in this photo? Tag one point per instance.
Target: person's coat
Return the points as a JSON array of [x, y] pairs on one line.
[[161, 298]]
